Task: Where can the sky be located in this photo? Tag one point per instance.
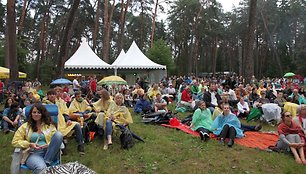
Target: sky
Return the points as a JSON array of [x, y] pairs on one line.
[[228, 4]]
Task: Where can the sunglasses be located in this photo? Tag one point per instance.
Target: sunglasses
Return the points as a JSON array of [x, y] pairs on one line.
[[288, 115]]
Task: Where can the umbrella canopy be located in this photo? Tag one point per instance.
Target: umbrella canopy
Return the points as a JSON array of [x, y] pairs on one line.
[[5, 73], [61, 81], [289, 74], [112, 80]]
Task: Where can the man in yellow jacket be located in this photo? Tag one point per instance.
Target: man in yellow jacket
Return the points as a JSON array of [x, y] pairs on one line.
[[65, 125]]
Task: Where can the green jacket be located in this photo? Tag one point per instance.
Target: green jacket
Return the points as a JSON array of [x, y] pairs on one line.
[[201, 118]]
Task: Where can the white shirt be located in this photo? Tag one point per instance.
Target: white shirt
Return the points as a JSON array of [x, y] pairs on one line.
[[232, 95], [214, 100], [241, 107], [75, 84]]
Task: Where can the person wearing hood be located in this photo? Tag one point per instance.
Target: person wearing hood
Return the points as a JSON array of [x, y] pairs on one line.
[[65, 125]]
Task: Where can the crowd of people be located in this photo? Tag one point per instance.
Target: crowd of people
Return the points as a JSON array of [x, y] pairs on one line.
[[216, 104]]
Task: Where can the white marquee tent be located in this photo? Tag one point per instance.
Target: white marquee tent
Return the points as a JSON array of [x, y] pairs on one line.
[[85, 59], [135, 63]]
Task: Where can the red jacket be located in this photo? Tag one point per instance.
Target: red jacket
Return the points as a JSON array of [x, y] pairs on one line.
[[185, 96], [93, 85]]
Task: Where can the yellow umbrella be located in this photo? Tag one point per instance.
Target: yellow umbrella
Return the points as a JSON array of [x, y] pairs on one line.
[[5, 73], [112, 80]]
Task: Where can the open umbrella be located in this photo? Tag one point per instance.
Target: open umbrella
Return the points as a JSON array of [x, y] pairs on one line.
[[112, 80], [289, 74], [61, 81]]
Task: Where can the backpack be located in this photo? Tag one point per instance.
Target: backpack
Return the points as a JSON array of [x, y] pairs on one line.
[[126, 139]]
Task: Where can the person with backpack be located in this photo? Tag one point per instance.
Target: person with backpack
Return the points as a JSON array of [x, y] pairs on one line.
[[201, 121], [11, 118], [118, 114]]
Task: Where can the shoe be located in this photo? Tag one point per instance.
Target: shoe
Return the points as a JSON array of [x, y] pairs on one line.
[[206, 136], [81, 149], [64, 151], [6, 131], [105, 147], [230, 143], [222, 141], [202, 135], [258, 127]]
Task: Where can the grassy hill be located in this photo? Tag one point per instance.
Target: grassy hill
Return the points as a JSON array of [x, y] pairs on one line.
[[169, 151]]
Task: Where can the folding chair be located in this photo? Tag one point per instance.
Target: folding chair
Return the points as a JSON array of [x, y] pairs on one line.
[[53, 110]]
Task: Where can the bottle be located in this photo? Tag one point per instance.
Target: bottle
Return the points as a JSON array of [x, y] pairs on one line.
[[81, 121]]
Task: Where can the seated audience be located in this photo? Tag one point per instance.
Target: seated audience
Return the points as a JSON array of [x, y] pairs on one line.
[[11, 118], [40, 135], [160, 105], [65, 125], [291, 138], [243, 108], [201, 121], [227, 125], [143, 105], [280, 100], [119, 114]]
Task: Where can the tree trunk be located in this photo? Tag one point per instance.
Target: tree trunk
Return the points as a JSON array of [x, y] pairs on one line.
[[63, 48], [107, 27], [122, 23], [249, 59], [153, 23], [22, 17], [11, 26], [96, 29]]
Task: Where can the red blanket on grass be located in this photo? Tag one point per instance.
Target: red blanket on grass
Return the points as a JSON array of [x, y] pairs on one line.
[[259, 140]]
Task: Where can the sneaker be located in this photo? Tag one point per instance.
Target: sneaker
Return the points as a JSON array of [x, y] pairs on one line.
[[258, 127], [222, 141], [230, 143], [105, 147], [81, 149], [202, 135], [206, 136]]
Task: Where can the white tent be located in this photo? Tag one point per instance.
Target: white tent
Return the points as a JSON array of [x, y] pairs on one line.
[[85, 58], [135, 59], [135, 64]]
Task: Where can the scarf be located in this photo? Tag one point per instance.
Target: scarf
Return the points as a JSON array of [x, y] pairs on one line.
[[293, 129]]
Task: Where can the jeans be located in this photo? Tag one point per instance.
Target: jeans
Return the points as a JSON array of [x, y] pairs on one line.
[[38, 160], [78, 134], [6, 125], [245, 128], [109, 127]]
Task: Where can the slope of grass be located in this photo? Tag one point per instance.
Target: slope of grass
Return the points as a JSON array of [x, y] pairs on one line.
[[169, 151]]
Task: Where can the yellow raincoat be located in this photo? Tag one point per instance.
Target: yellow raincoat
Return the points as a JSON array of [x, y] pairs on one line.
[[76, 106], [121, 113], [101, 109], [23, 134], [62, 109]]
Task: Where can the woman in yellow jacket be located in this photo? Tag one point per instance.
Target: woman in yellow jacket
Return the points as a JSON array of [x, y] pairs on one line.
[[120, 114], [40, 135]]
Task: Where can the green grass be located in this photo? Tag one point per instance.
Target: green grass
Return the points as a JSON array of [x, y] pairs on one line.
[[169, 151]]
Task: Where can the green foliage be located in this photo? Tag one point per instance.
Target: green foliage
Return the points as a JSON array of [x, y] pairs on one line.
[[48, 72], [161, 54]]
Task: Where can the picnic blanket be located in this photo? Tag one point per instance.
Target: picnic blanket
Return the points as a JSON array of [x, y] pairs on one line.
[[260, 140]]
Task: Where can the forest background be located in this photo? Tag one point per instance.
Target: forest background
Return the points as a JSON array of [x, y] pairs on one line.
[[260, 37]]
